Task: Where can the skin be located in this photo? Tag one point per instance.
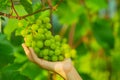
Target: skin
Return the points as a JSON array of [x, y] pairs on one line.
[[63, 68]]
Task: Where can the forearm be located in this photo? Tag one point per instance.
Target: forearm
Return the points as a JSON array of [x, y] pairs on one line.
[[73, 75]]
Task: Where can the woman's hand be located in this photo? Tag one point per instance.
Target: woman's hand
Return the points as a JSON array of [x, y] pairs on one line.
[[62, 68]]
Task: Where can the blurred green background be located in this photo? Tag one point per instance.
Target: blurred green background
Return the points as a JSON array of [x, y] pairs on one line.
[[92, 27]]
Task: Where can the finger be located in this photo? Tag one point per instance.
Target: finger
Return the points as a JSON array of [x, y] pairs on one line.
[[27, 51], [41, 62], [33, 53]]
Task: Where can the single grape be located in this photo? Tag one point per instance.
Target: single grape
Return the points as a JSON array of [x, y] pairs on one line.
[[45, 52], [40, 30], [28, 44], [57, 43], [28, 38], [47, 42], [20, 24], [64, 40], [38, 22], [39, 36], [46, 20], [45, 30], [48, 35], [51, 53], [48, 25], [46, 57], [40, 55], [33, 44], [52, 40], [61, 58], [67, 55], [42, 26], [57, 38], [36, 49], [73, 53], [39, 44], [34, 27], [23, 33], [53, 46], [54, 58], [57, 52]]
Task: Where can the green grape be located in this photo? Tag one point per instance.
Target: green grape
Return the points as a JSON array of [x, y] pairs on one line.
[[54, 58], [46, 57], [48, 25], [57, 38], [40, 36], [20, 24], [28, 38], [23, 33], [38, 22], [41, 26], [45, 52], [46, 20], [40, 55], [28, 44], [33, 44], [73, 53], [52, 46], [64, 40], [45, 30], [34, 27], [52, 40], [48, 35], [57, 43], [39, 44], [61, 58], [51, 52], [36, 49], [67, 55], [40, 30], [47, 42], [57, 52]]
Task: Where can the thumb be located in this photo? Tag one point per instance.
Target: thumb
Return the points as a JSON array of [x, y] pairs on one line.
[[27, 52]]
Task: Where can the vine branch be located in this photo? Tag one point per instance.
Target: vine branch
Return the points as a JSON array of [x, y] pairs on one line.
[[14, 8], [21, 17], [71, 34]]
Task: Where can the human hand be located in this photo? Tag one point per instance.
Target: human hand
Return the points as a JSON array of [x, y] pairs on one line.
[[61, 67]]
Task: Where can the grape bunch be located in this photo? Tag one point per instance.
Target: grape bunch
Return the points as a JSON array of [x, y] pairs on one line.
[[38, 36]]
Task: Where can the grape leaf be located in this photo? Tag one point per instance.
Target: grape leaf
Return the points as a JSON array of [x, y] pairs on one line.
[[4, 4], [6, 52], [103, 33], [27, 5]]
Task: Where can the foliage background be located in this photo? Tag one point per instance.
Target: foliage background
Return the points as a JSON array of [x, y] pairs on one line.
[[92, 27]]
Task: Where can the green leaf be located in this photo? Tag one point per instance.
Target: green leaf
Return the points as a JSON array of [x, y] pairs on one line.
[[82, 50], [6, 52], [94, 5], [30, 70], [102, 31], [81, 28], [16, 40], [27, 5], [4, 4], [8, 74], [10, 27], [69, 13]]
